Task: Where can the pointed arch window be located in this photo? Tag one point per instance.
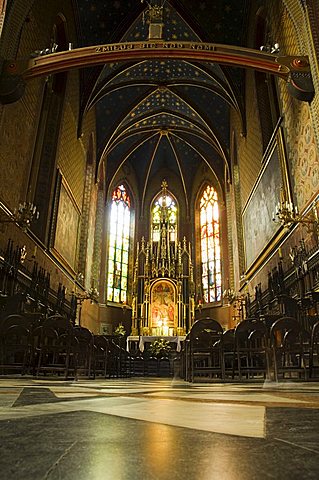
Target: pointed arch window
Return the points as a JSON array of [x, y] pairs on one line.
[[210, 245], [164, 212], [119, 243]]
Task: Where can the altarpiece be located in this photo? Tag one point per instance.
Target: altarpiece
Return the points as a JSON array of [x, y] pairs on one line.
[[163, 286]]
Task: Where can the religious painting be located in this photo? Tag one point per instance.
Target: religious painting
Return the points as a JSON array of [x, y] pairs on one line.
[[67, 225], [163, 307], [258, 224]]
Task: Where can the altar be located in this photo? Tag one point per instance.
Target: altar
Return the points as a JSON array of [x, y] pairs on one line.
[[140, 341]]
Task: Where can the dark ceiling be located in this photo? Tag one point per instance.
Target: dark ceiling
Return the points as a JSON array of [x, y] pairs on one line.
[[158, 114]]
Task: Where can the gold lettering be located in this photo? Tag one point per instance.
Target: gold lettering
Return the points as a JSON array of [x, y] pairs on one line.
[[154, 45]]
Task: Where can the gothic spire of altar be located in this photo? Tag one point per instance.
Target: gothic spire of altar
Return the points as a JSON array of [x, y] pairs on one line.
[[164, 255]]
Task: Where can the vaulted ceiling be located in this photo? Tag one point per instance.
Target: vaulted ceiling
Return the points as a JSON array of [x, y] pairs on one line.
[[156, 114]]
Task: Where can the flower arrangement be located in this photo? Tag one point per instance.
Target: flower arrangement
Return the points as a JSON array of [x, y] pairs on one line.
[[120, 331], [160, 348]]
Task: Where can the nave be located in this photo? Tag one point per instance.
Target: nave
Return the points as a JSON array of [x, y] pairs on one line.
[[159, 171], [157, 429]]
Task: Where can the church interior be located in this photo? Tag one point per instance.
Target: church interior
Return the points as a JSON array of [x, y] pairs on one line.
[[159, 239]]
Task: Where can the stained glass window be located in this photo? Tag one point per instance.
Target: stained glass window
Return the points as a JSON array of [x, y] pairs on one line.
[[164, 211], [210, 246], [119, 240]]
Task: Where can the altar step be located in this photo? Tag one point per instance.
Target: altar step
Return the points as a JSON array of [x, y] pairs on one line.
[[152, 367]]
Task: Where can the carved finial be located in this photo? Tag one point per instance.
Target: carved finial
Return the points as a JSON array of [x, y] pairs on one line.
[[164, 185], [164, 195]]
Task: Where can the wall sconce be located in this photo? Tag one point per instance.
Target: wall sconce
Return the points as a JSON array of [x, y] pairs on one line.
[[24, 215], [237, 300], [287, 215], [229, 295], [93, 294], [79, 299]]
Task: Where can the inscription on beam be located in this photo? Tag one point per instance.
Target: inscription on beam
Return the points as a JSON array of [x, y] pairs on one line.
[[116, 47]]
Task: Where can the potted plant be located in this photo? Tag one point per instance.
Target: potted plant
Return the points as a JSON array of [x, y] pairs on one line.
[[120, 331], [159, 348]]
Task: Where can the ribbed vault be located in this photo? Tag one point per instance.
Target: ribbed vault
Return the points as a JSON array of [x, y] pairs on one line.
[[163, 113]]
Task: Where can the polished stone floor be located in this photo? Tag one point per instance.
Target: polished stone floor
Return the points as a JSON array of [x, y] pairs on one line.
[[157, 429]]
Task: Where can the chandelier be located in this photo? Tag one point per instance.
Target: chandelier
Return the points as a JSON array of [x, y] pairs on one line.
[[24, 215], [287, 215]]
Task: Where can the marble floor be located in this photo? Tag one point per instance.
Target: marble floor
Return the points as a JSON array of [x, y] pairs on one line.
[[157, 429]]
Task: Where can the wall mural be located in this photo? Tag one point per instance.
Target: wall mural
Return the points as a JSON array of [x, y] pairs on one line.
[[259, 210], [66, 234]]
